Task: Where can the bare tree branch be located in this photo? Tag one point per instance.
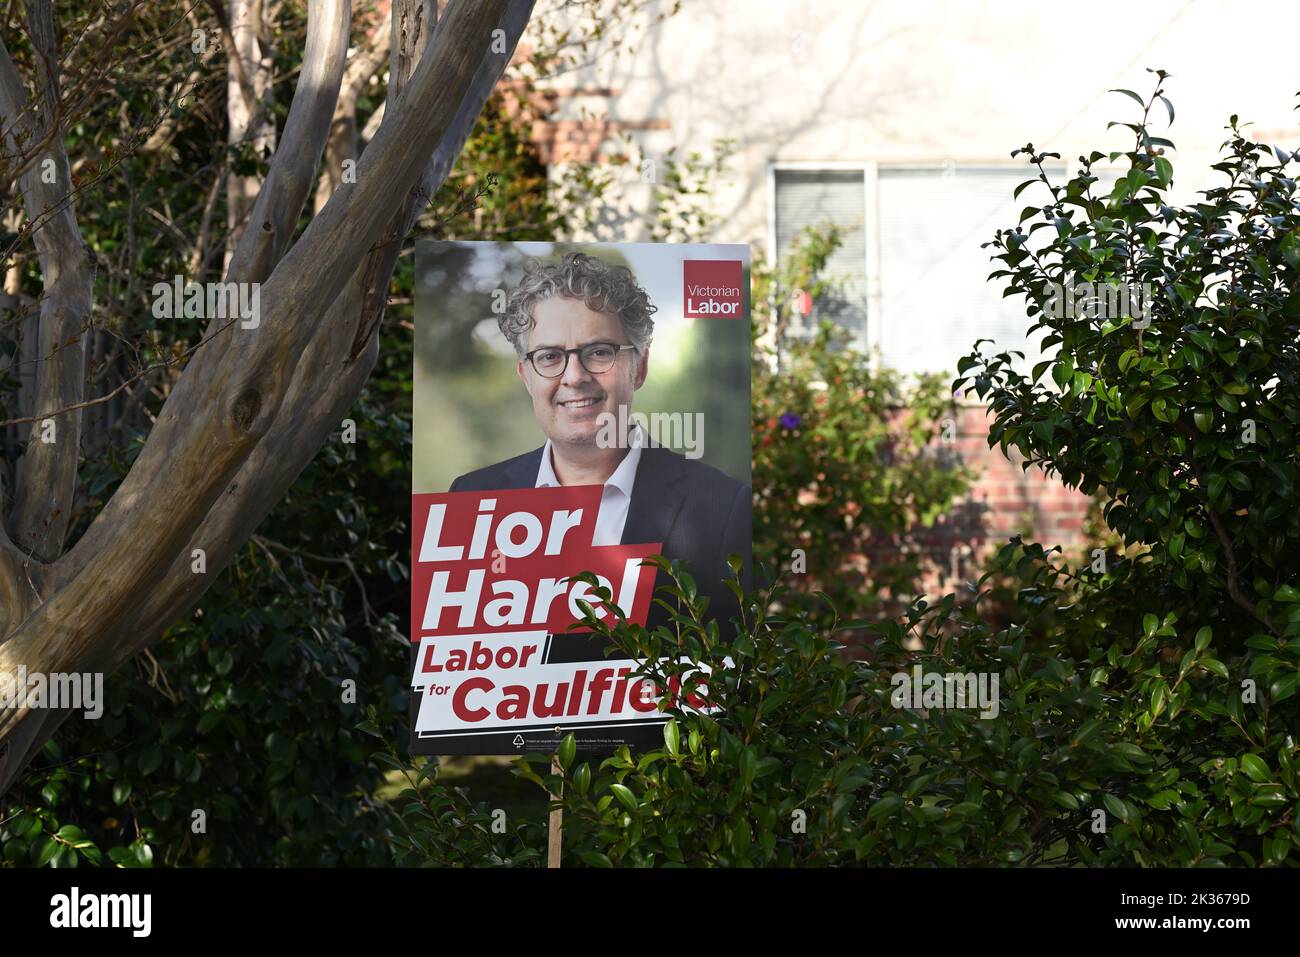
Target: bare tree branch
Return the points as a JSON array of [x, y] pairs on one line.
[[248, 100], [344, 140], [235, 432], [237, 69], [47, 472], [309, 414], [297, 156]]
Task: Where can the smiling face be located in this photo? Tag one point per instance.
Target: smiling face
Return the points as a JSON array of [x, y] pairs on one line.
[[569, 408]]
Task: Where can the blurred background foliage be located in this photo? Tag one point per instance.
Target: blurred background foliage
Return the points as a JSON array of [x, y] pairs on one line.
[[848, 475]]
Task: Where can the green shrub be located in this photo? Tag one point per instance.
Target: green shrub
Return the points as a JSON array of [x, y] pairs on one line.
[[1187, 427], [725, 789], [1126, 755], [1183, 419], [239, 710]]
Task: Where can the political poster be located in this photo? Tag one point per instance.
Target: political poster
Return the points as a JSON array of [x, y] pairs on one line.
[[578, 409]]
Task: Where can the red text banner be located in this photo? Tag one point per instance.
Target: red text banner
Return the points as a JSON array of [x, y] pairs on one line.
[[503, 682], [497, 562]]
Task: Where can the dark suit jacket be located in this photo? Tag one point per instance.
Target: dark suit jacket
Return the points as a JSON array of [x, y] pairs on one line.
[[699, 513]]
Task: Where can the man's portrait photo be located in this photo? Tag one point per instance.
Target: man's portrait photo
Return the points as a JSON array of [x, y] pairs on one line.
[[585, 339]]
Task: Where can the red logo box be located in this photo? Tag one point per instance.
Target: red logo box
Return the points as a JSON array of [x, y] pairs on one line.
[[711, 288]]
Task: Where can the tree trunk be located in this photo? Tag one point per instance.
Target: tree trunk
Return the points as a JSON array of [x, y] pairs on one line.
[[253, 404]]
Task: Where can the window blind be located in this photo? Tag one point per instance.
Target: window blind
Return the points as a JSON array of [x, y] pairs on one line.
[[815, 198]]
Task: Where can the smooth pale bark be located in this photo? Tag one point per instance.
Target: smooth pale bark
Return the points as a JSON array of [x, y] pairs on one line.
[[243, 421], [293, 168], [289, 179], [248, 107], [344, 139]]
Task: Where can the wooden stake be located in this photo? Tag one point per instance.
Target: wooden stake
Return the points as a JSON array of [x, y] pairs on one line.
[[554, 826]]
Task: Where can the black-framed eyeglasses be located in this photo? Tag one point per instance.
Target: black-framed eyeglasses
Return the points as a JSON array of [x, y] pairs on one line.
[[550, 362]]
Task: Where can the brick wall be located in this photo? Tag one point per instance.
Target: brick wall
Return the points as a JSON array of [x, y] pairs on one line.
[[1005, 500], [560, 139]]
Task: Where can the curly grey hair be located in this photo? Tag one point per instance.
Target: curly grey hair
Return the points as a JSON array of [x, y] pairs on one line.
[[599, 285]]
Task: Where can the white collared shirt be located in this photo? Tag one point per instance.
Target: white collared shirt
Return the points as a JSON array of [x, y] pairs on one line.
[[616, 498]]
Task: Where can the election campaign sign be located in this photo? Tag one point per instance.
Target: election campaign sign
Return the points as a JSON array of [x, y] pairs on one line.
[[578, 410]]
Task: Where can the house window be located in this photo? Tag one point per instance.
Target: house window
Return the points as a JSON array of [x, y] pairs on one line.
[[814, 198], [935, 297]]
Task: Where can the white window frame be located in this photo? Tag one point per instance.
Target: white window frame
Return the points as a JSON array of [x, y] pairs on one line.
[[870, 169]]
